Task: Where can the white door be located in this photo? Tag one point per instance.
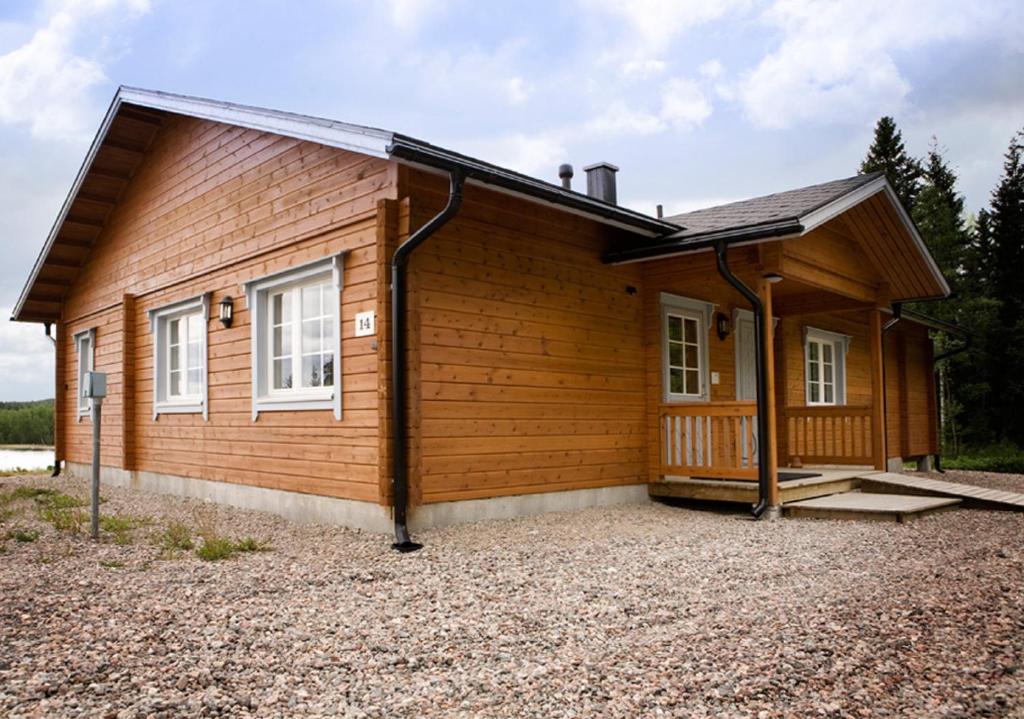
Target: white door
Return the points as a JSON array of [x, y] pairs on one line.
[[746, 372]]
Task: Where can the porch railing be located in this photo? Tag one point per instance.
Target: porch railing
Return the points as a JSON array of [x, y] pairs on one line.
[[829, 435], [709, 439]]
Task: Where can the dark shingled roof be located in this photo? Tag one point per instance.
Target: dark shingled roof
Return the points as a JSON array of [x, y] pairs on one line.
[[769, 209]]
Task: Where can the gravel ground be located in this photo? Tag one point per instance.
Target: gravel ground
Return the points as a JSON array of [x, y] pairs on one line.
[[631, 611]]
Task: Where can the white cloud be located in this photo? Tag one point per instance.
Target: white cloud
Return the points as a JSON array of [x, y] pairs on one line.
[[710, 69], [44, 83], [642, 69], [620, 119], [684, 104], [836, 59], [655, 23], [538, 155], [517, 91], [409, 15]]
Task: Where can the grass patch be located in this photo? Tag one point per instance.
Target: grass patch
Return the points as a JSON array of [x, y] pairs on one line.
[[177, 537], [215, 548], [71, 520], [1004, 458], [251, 544], [20, 534], [121, 526]]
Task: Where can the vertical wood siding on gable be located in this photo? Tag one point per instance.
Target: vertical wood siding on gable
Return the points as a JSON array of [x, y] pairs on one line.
[[211, 207], [528, 375]]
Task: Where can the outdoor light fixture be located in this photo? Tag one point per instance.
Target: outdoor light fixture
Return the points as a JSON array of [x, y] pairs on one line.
[[722, 325], [227, 311], [773, 277]]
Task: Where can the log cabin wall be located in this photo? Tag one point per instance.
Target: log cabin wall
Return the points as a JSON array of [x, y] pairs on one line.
[[210, 207], [911, 403], [527, 353]]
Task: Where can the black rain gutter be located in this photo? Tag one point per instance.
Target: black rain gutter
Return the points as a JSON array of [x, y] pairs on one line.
[[412, 150], [691, 243], [761, 360], [56, 462], [399, 410]]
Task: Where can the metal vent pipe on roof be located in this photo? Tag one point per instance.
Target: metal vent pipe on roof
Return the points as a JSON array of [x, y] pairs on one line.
[[601, 181], [565, 174]]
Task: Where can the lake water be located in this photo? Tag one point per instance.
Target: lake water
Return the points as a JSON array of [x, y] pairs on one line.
[[25, 458]]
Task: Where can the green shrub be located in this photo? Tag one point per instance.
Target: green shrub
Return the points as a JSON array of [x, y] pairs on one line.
[[1004, 458], [20, 534]]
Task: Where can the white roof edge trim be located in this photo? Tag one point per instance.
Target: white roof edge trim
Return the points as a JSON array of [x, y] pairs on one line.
[[358, 138], [818, 217]]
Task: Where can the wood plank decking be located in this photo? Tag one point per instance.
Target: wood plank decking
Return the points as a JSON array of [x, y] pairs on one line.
[[970, 495], [861, 505]]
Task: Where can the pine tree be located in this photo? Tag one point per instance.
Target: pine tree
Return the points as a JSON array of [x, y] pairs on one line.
[[887, 154], [938, 214], [1007, 261]]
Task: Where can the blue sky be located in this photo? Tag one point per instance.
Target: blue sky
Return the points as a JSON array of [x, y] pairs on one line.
[[697, 101]]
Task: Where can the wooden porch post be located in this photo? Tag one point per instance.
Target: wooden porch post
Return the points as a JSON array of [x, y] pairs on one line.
[[878, 449], [764, 291]]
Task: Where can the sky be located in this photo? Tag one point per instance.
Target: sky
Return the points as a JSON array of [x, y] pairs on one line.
[[698, 102]]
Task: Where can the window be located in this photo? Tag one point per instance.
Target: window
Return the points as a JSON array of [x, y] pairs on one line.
[[85, 345], [684, 347], [825, 354], [296, 324], [180, 357]]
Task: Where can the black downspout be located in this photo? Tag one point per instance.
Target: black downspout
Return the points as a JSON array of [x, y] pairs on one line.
[[56, 462], [403, 542], [761, 367], [938, 395]]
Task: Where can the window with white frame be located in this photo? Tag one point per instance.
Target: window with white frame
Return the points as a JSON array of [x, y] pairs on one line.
[[684, 347], [296, 321], [180, 354], [85, 346], [825, 366]]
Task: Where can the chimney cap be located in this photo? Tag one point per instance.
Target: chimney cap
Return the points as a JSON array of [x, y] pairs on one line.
[[565, 170], [597, 165]]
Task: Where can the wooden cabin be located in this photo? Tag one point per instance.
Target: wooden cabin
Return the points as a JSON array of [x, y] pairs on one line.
[[231, 269]]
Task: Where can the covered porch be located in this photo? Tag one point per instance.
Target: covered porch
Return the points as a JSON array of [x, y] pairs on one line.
[[826, 286]]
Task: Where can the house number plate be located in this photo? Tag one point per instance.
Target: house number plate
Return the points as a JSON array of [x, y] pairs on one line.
[[366, 324]]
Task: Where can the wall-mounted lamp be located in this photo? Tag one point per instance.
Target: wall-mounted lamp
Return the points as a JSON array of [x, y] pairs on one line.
[[227, 311], [722, 325], [773, 277]]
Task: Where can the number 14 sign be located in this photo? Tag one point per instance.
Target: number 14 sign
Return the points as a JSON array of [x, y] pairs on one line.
[[366, 324]]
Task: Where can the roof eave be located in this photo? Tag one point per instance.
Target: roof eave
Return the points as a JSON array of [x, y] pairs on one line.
[[698, 242]]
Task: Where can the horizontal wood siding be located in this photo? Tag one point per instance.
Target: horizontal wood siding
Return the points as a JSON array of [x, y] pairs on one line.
[[911, 409], [210, 207], [530, 353]]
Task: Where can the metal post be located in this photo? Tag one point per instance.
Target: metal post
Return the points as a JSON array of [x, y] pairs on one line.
[[97, 411]]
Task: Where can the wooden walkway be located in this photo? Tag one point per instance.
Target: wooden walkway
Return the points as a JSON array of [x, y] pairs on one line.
[[858, 505], [970, 496]]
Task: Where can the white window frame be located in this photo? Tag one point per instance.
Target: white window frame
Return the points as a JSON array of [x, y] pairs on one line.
[[257, 294], [159, 320], [701, 311], [85, 362], [840, 344]]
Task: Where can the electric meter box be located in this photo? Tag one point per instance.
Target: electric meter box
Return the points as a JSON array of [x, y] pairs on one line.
[[95, 385]]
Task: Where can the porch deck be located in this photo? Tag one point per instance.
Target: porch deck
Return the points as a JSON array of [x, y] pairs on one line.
[[830, 480]]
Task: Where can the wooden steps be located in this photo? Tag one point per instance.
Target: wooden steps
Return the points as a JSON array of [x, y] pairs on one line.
[[970, 496], [861, 505], [721, 490]]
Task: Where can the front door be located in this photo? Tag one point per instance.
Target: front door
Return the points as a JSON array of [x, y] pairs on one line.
[[746, 374]]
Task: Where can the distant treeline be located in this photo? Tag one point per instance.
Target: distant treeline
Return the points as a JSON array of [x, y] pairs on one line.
[[26, 422]]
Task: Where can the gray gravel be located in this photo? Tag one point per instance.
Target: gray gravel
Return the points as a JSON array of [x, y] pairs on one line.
[[631, 611]]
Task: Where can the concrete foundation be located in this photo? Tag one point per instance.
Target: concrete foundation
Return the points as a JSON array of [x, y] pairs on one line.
[[925, 463], [894, 464], [367, 516]]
